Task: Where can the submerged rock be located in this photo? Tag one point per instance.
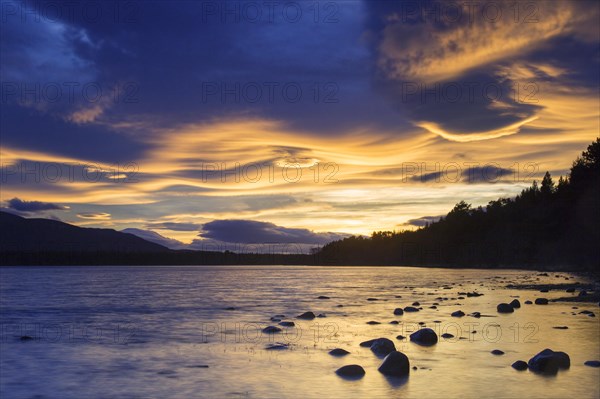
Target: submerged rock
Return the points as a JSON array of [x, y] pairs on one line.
[[382, 346], [458, 313], [528, 303], [541, 301], [339, 352], [400, 337], [519, 365], [287, 324], [497, 352], [395, 364], [398, 311], [515, 303], [447, 335], [373, 322], [425, 337], [306, 316], [394, 322], [549, 362], [351, 370], [323, 297], [277, 346], [25, 338], [504, 308], [271, 330], [592, 363]]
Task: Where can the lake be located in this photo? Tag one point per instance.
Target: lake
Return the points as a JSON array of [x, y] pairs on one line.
[[182, 332]]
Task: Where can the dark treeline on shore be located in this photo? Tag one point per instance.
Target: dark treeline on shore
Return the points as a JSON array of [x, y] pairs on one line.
[[549, 225]]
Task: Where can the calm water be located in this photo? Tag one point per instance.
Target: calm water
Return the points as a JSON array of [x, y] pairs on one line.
[[125, 332]]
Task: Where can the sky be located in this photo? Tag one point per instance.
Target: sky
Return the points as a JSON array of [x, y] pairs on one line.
[[247, 124]]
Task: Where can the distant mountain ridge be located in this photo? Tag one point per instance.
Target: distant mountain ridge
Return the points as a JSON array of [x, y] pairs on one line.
[[18, 234]]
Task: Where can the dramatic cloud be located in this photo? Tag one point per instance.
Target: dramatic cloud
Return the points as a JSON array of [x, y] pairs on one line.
[[250, 231], [176, 139], [33, 206]]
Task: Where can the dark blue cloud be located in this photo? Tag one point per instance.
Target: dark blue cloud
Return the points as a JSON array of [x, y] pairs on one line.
[[33, 206], [475, 174], [250, 231]]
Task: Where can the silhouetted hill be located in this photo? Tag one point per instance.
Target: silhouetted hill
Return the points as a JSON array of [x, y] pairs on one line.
[[546, 226], [45, 235]]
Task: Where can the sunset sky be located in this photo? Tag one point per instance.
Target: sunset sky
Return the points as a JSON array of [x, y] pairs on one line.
[[218, 123]]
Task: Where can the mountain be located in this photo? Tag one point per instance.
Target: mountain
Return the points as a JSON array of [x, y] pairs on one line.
[[156, 238], [18, 234]]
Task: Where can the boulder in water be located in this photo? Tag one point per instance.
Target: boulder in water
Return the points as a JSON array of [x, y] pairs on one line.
[[351, 371], [515, 303], [549, 362], [519, 365], [306, 316], [339, 352], [395, 364], [271, 330], [382, 346], [504, 308], [458, 313], [410, 309], [424, 337], [541, 301], [398, 311]]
